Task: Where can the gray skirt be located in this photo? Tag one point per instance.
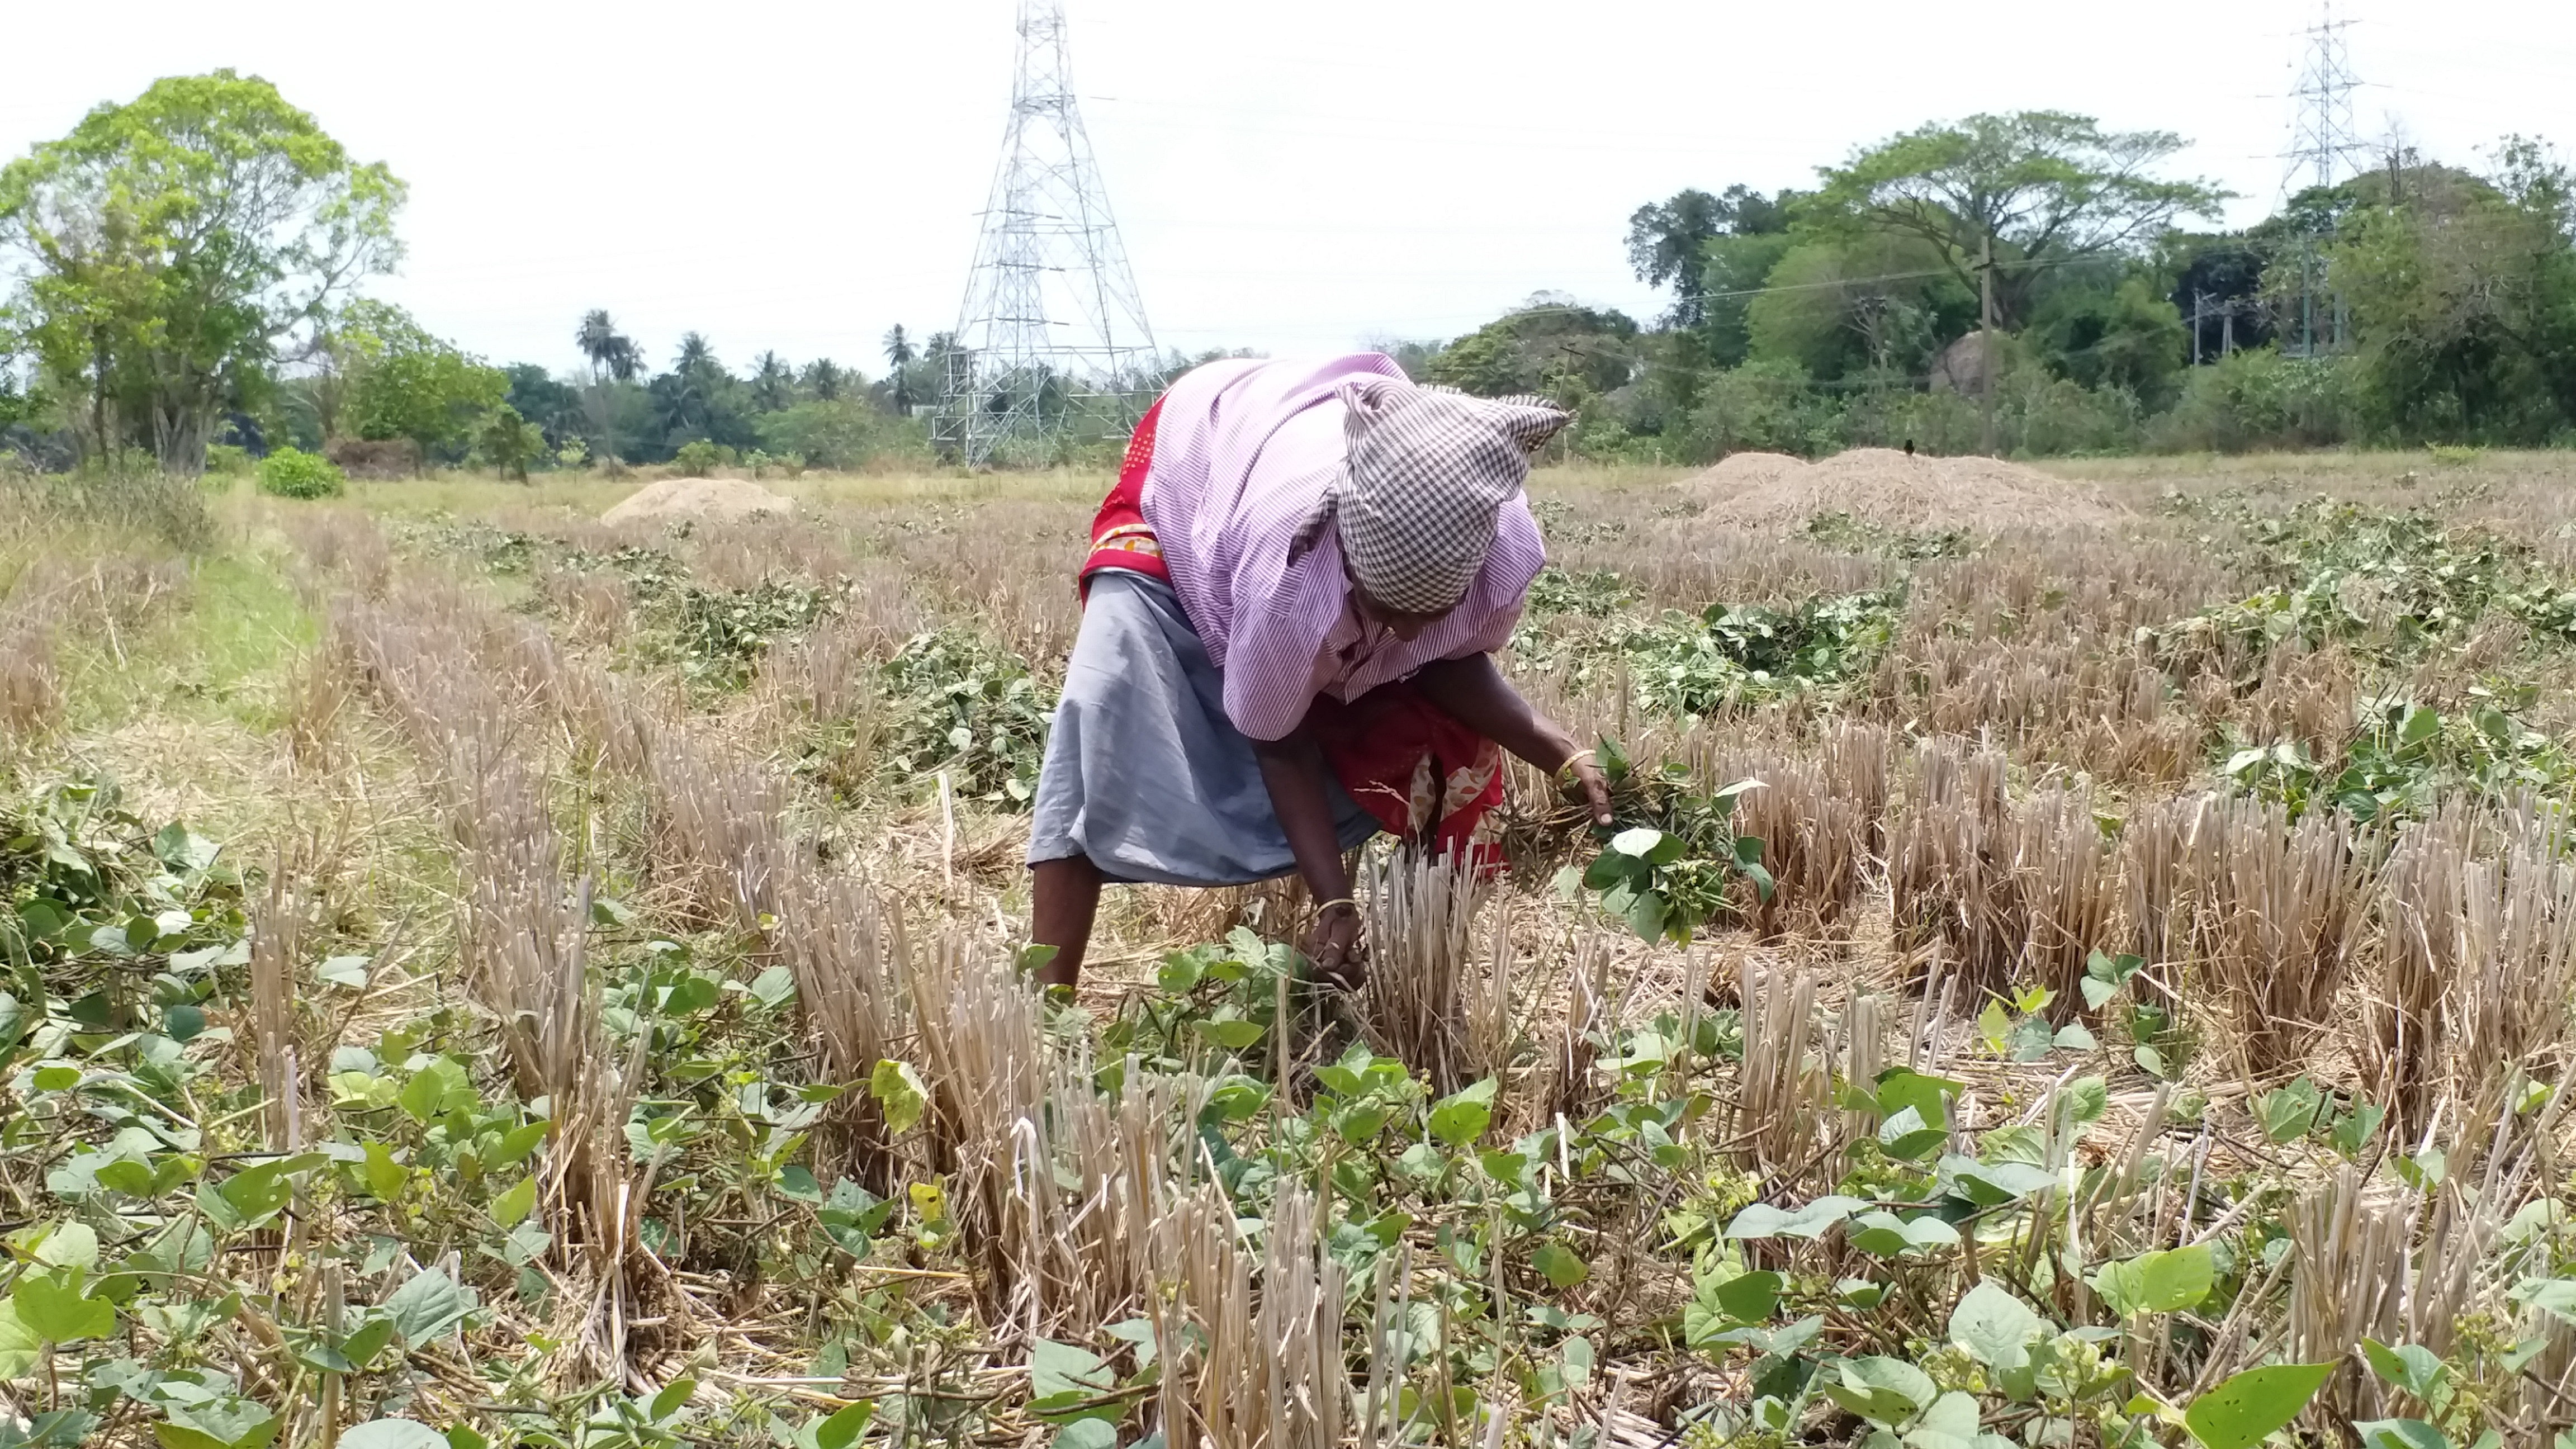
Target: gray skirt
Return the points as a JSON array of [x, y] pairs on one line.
[[1144, 774]]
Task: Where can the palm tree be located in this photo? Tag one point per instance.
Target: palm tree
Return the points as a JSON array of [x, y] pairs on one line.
[[610, 351], [615, 355], [899, 356], [823, 379], [772, 383], [697, 355], [597, 338], [625, 359]]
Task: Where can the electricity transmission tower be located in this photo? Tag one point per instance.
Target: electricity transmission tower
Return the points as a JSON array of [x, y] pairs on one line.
[[2323, 138], [1051, 341]]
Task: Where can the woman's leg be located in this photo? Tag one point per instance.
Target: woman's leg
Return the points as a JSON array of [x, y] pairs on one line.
[[1064, 895]]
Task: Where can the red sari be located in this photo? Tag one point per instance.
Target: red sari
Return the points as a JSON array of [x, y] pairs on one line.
[[1407, 762]]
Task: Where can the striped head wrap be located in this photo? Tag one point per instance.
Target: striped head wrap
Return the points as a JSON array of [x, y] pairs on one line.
[[1426, 471]]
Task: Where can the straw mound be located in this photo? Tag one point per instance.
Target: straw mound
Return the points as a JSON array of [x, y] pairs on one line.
[[1882, 485], [722, 498], [1737, 472]]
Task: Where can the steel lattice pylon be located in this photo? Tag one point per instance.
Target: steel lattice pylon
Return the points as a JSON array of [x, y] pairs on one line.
[[2322, 141], [2322, 135], [1051, 343]]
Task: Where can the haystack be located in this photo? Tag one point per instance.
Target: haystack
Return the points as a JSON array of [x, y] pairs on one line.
[[710, 498], [1771, 492]]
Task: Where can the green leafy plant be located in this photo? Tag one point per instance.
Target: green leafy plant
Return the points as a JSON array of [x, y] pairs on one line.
[[290, 472], [1668, 883], [1734, 654], [699, 457], [957, 701]]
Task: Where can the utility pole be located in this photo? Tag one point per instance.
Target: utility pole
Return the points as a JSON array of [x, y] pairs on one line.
[[1986, 342], [2199, 310]]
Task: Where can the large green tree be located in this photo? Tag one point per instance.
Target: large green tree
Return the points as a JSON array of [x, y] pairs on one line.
[[2049, 189], [2462, 293], [1878, 303], [422, 388], [1671, 243], [1549, 345], [171, 252]]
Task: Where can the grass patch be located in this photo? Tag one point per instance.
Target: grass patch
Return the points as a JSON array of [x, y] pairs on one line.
[[222, 652]]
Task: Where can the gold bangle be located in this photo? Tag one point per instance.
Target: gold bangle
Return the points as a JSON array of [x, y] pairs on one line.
[[1328, 905], [1572, 758]]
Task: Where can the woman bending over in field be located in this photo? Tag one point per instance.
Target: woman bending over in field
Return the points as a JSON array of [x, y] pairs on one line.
[[1290, 610]]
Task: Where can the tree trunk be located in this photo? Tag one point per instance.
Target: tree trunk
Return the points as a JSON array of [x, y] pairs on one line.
[[98, 400], [179, 439]]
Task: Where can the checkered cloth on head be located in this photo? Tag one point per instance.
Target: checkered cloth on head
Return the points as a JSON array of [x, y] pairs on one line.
[[1426, 471]]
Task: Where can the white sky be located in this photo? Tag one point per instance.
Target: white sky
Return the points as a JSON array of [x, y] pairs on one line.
[[1290, 177]]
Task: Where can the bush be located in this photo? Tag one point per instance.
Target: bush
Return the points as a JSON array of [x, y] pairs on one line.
[[2258, 399], [842, 434], [1769, 407], [294, 473], [698, 457], [223, 460], [2053, 417]]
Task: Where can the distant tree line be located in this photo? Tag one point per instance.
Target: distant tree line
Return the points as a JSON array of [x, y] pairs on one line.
[[2415, 302], [186, 272]]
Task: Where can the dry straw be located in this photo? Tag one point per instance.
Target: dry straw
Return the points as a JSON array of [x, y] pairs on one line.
[[275, 931], [1820, 819], [1950, 870], [1419, 915], [2280, 913], [1784, 1094]]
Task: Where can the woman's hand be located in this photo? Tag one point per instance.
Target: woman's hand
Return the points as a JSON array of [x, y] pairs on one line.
[[1294, 771], [1595, 786], [1334, 944]]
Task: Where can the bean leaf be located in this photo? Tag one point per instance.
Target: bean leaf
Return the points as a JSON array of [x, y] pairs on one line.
[[2243, 1411]]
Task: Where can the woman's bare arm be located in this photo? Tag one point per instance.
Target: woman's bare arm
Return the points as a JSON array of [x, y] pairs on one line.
[[1294, 770], [1475, 694]]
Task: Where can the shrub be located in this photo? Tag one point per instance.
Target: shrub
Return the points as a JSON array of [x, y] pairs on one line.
[[510, 442], [699, 456], [846, 433], [2259, 399], [294, 473], [2055, 417], [223, 460], [1769, 407]]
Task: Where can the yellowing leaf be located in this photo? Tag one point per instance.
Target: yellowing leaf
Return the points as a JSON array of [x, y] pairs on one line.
[[899, 1093]]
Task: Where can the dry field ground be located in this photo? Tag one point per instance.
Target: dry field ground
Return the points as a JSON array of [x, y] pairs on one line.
[[482, 976]]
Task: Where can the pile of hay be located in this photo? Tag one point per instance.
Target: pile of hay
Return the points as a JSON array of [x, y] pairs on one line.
[[1772, 491], [709, 498]]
